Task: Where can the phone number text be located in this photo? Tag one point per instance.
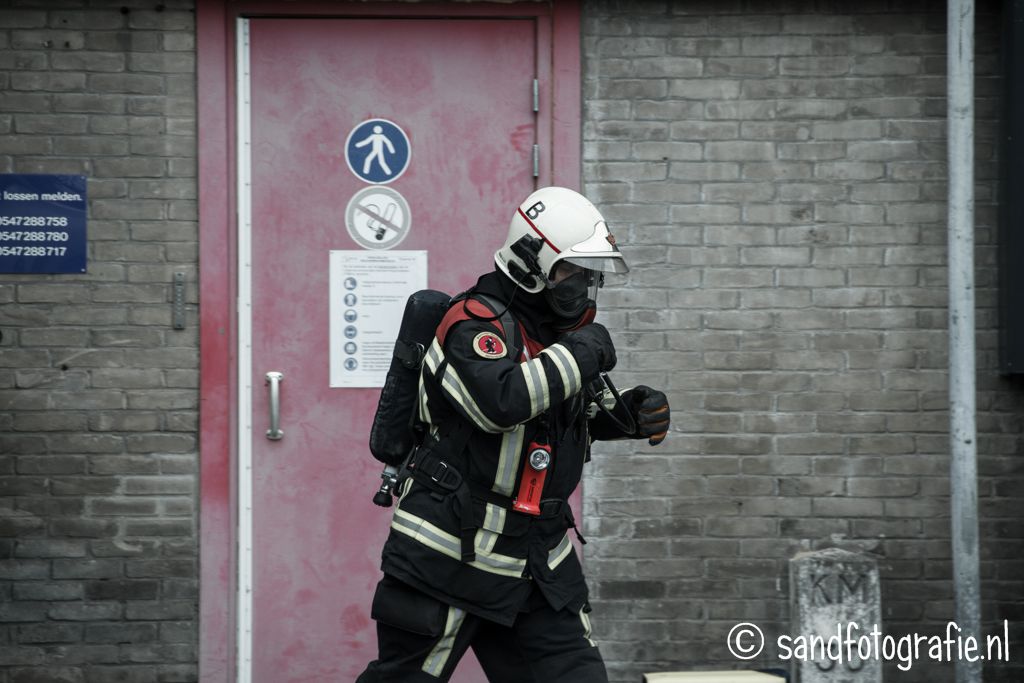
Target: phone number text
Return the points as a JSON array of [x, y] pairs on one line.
[[32, 236], [33, 251], [34, 221]]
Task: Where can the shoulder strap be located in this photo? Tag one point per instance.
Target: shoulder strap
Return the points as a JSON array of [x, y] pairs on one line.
[[458, 312], [483, 306]]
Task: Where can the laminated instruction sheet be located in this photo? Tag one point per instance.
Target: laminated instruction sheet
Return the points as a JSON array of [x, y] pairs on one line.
[[367, 299]]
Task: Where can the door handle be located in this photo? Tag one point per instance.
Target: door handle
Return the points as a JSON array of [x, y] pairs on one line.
[[274, 380]]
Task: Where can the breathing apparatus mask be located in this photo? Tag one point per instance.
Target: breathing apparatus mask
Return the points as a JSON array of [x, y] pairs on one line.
[[572, 289]]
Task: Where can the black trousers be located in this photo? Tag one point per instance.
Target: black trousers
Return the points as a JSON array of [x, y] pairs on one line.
[[421, 640]]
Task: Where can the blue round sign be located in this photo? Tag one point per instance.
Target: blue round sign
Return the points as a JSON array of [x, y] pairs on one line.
[[377, 151]]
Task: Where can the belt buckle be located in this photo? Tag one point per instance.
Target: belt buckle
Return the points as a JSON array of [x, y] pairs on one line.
[[434, 478]]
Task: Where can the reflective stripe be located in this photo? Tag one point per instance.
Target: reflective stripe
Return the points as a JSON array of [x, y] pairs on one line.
[[452, 384], [537, 385], [585, 618], [485, 539], [434, 356], [494, 519], [561, 551], [508, 461], [439, 656], [424, 406], [567, 368], [426, 533], [404, 490], [447, 544], [430, 362]]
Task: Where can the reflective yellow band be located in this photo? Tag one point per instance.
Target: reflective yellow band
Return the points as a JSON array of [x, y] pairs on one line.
[[585, 618], [508, 461], [447, 544], [494, 523], [561, 551], [536, 386], [453, 385], [567, 368], [438, 657]]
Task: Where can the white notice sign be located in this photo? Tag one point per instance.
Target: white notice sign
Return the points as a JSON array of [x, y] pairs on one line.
[[367, 299]]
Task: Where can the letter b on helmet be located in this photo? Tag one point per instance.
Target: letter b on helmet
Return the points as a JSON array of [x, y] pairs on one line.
[[535, 210]]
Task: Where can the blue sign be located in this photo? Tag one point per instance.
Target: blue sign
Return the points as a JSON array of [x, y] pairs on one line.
[[377, 151], [42, 224]]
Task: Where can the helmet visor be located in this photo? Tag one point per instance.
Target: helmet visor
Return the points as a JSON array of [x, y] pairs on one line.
[[605, 264]]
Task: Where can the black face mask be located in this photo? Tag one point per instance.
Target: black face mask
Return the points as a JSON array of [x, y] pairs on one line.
[[568, 299]]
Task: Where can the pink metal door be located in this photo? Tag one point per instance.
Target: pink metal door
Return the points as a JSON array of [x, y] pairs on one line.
[[462, 90]]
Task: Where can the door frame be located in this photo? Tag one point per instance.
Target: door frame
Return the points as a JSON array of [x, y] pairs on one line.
[[218, 249]]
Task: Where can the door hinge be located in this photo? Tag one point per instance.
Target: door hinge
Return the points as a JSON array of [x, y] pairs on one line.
[[536, 161], [536, 96]]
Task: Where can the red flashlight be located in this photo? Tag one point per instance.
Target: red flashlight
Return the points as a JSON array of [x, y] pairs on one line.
[[531, 485]]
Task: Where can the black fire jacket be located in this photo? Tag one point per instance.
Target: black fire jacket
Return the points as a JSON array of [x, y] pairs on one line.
[[486, 398]]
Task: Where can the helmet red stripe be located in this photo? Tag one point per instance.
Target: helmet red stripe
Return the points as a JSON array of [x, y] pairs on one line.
[[537, 230]]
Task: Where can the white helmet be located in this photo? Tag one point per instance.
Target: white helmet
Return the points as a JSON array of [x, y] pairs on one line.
[[556, 224]]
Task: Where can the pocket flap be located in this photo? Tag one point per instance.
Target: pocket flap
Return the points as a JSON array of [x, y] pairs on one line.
[[401, 606]]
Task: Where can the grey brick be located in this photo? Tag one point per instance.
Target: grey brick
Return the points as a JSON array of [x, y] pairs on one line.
[[744, 67], [777, 170], [47, 82], [813, 109], [160, 568], [686, 151], [120, 633], [772, 46], [122, 507], [717, 46], [122, 590], [743, 110], [46, 464], [85, 528], [816, 66], [162, 527], [86, 569], [631, 47], [47, 592], [847, 130], [887, 65], [745, 25], [739, 151], [817, 24], [631, 88]]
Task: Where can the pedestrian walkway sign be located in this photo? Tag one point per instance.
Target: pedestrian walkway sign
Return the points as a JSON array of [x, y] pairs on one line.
[[377, 151]]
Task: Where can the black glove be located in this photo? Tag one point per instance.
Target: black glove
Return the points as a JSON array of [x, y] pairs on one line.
[[651, 412], [592, 348]]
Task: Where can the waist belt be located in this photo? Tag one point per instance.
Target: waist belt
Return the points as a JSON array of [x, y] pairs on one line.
[[443, 478]]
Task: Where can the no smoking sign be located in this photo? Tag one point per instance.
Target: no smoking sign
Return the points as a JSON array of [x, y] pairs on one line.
[[377, 218]]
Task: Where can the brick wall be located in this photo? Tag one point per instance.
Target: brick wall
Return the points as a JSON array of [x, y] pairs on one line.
[[777, 174], [98, 394]]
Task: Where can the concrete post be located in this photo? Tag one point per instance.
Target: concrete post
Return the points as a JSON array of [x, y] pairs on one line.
[[963, 431]]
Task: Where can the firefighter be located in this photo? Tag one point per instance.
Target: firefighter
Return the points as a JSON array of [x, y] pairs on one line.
[[480, 549]]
